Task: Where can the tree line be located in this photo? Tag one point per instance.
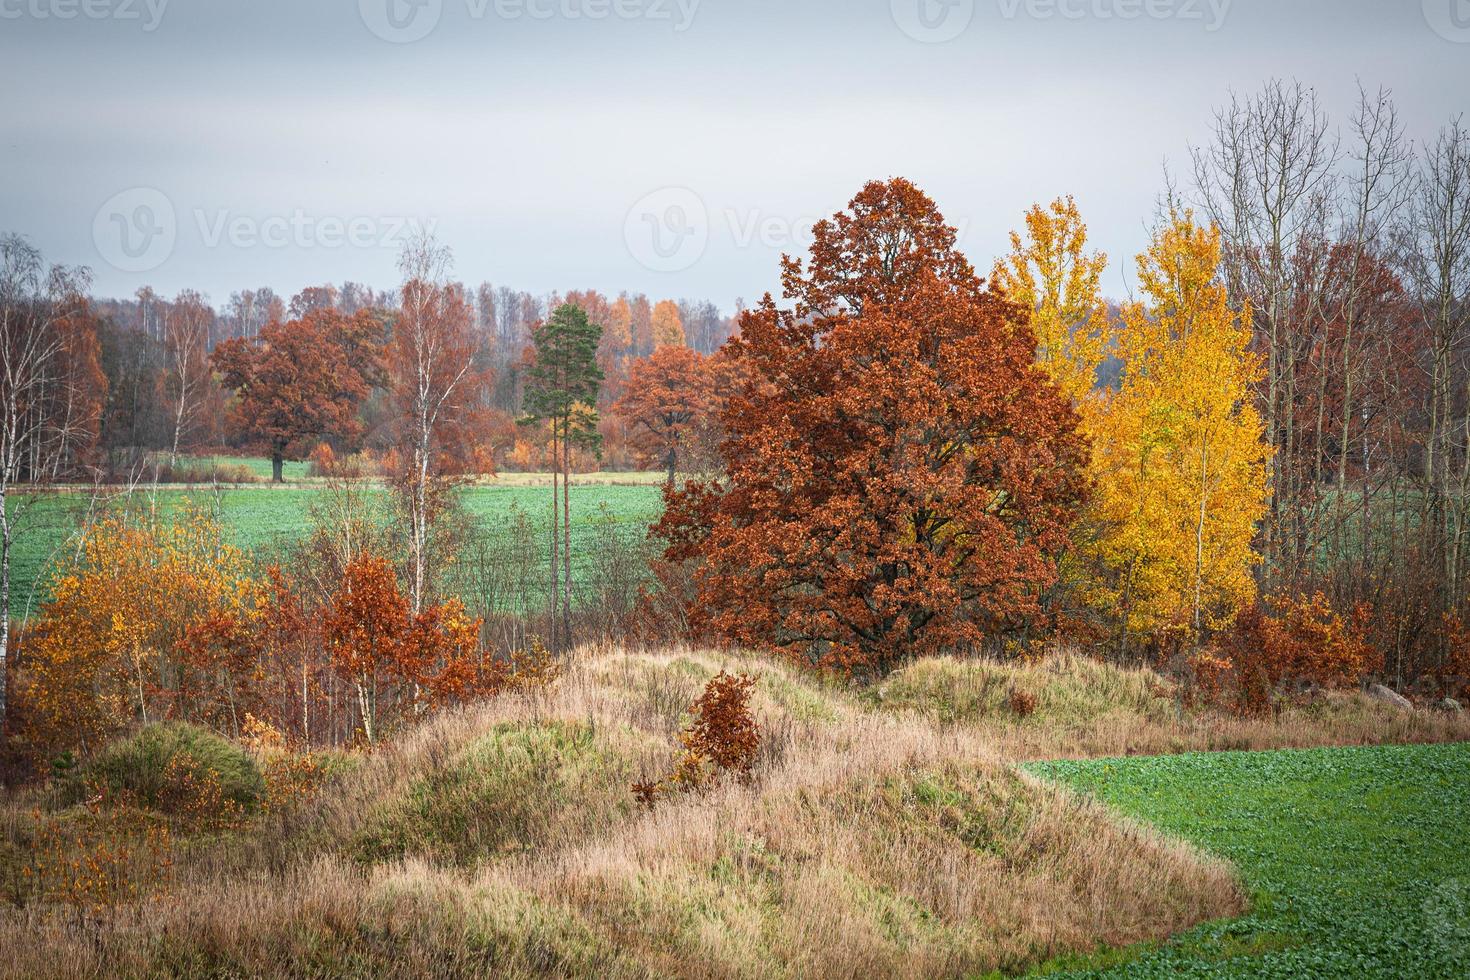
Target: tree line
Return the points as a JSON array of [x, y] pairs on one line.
[[1255, 471]]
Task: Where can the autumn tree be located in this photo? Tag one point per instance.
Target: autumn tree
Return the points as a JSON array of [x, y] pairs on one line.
[[438, 383], [899, 474], [668, 398], [398, 661], [305, 378], [617, 333], [668, 328], [1050, 274], [1181, 452], [641, 326], [35, 304], [561, 390], [149, 619]]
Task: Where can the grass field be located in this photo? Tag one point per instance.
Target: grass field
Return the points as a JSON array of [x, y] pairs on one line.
[[265, 517], [1357, 859]]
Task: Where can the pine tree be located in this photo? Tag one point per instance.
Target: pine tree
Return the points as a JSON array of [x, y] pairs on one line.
[[561, 389]]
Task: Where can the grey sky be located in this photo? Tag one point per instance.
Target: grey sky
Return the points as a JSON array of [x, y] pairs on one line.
[[290, 140]]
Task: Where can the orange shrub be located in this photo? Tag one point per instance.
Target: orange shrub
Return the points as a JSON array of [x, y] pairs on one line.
[[1305, 647], [1022, 703], [290, 781], [1453, 675], [398, 663], [323, 461], [723, 738]]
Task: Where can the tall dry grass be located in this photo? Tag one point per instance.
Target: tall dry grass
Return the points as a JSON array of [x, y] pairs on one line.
[[875, 839], [1087, 709]]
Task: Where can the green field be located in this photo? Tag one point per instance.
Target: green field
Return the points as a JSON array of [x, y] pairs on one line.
[[1357, 860], [265, 518]]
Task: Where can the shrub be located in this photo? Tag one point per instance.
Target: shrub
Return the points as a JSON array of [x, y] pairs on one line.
[[1021, 703], [174, 768], [322, 462], [723, 738], [1304, 647], [1453, 675]]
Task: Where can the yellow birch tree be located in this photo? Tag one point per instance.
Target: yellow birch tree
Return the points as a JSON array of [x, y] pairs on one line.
[[1050, 273], [668, 328], [1179, 455]]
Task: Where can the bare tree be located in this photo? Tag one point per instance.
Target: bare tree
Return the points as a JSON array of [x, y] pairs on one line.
[[33, 300], [186, 342], [1437, 264], [1266, 179], [432, 363]]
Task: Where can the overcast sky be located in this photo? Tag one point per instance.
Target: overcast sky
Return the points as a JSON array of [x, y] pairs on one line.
[[673, 147]]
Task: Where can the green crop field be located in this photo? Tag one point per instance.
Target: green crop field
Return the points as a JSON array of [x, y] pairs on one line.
[[263, 517], [1357, 859]]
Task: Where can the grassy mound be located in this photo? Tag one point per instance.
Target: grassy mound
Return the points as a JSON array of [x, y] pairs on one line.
[[1086, 708], [1068, 690], [511, 790], [164, 766], [885, 832], [505, 839]]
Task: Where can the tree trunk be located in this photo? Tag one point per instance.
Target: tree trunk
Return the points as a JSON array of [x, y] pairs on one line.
[[566, 553], [277, 465], [555, 535], [670, 463], [4, 608]]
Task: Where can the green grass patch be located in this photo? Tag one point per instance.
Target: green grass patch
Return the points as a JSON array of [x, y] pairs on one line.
[[510, 791], [1069, 690], [1358, 859], [137, 768], [265, 518]]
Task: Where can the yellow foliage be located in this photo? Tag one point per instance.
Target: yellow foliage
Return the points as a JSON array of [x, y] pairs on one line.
[[113, 644], [668, 328], [1049, 274], [1179, 458]]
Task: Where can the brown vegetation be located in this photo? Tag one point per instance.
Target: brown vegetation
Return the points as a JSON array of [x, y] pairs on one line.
[[502, 838]]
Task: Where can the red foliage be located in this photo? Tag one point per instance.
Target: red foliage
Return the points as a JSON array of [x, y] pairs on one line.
[[1021, 703], [668, 397], [899, 475], [399, 663], [1305, 647], [723, 738], [301, 379], [1453, 674]]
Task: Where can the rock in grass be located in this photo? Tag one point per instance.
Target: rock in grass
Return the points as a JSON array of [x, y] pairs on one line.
[[1388, 696], [1448, 704]]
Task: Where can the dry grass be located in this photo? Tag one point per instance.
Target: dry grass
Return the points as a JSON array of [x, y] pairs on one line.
[[504, 839], [1088, 709]]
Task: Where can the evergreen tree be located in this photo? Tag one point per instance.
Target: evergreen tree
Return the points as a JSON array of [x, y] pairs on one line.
[[561, 390]]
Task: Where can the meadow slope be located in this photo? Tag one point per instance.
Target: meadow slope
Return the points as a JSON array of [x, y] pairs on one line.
[[886, 831]]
